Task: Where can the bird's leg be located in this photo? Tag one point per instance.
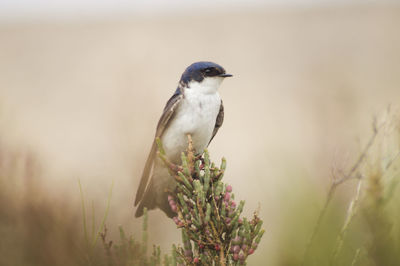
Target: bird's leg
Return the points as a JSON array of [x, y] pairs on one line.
[[199, 157]]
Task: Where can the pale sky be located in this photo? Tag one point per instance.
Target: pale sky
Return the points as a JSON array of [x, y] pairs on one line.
[[70, 9]]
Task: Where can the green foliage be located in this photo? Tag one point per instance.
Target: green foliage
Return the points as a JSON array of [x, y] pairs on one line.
[[213, 233]]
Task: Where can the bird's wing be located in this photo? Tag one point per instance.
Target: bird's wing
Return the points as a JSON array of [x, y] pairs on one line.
[[219, 121], [166, 116]]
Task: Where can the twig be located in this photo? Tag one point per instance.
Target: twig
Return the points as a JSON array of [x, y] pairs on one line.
[[361, 157], [144, 231], [351, 211], [105, 214], [356, 256], [335, 183], [83, 214], [93, 222], [392, 160]]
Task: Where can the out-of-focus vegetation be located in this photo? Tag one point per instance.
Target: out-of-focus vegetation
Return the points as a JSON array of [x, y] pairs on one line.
[[363, 230], [34, 229]]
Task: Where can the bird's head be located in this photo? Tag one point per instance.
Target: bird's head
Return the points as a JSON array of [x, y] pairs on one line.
[[204, 76]]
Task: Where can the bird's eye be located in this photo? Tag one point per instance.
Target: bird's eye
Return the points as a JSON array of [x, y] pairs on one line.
[[210, 72]]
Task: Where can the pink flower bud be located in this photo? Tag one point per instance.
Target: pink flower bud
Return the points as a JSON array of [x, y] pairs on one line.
[[235, 256], [196, 260], [233, 204], [236, 249], [251, 251], [227, 196], [174, 208], [229, 188], [170, 198]]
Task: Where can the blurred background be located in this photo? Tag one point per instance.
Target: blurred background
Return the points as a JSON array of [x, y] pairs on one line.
[[83, 83]]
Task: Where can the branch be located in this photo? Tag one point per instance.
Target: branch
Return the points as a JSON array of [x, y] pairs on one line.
[[335, 183]]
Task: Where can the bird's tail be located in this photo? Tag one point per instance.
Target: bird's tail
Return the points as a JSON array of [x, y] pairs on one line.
[[154, 199], [147, 202]]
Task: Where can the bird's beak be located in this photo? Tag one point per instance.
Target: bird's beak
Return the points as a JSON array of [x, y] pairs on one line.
[[225, 75]]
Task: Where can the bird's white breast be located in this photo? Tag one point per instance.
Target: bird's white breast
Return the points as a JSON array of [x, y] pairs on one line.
[[196, 115]]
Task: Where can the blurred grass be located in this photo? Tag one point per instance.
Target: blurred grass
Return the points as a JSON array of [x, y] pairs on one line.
[[34, 229]]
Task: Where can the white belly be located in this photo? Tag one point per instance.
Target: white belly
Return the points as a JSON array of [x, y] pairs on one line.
[[196, 115]]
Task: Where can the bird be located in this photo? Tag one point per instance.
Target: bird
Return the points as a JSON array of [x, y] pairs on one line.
[[195, 108]]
